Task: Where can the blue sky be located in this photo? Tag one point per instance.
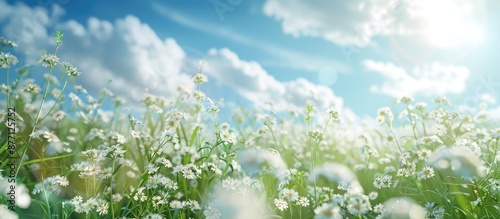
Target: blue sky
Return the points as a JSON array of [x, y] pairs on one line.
[[356, 55]]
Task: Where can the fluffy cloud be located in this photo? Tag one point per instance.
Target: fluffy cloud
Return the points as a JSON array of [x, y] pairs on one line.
[[126, 51], [254, 83], [131, 54], [356, 22], [28, 26], [428, 80]]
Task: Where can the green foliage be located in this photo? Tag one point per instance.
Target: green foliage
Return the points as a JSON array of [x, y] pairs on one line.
[[79, 159]]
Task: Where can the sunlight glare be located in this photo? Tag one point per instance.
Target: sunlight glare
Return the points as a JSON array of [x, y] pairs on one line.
[[448, 24]]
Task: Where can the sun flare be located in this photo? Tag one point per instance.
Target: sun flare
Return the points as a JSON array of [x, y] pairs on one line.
[[449, 24]]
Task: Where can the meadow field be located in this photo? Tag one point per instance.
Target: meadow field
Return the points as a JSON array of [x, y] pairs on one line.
[[68, 154]]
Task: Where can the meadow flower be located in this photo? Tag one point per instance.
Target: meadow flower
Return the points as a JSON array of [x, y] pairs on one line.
[[176, 204], [476, 202], [224, 126], [442, 101], [135, 134], [105, 173], [405, 99], [31, 88], [406, 172], [434, 211], [303, 201], [102, 207], [373, 195], [139, 194], [170, 184], [59, 115], [117, 197], [213, 168], [80, 89], [95, 154], [189, 171], [62, 181], [440, 129], [497, 157], [154, 216], [4, 88], [281, 204], [428, 140], [50, 136], [70, 70], [158, 201], [156, 109], [200, 78], [5, 42], [151, 168], [379, 208], [49, 60], [7, 59], [120, 139], [427, 172], [423, 154], [228, 137], [382, 181], [193, 205], [357, 204], [165, 162], [369, 151], [289, 194], [442, 116], [211, 212], [385, 112], [185, 90], [89, 205], [420, 106], [480, 135], [327, 211], [51, 185], [199, 95], [495, 133], [236, 166], [333, 112], [315, 135], [75, 99]]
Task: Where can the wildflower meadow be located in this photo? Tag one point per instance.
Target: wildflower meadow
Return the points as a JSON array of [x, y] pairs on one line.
[[66, 153]]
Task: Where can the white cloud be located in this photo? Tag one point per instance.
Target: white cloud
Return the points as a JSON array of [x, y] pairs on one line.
[[131, 54], [342, 22], [428, 80], [283, 57], [445, 22], [254, 83], [126, 51], [28, 26]]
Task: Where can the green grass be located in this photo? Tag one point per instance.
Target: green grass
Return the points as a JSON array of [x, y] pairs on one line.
[[178, 160]]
